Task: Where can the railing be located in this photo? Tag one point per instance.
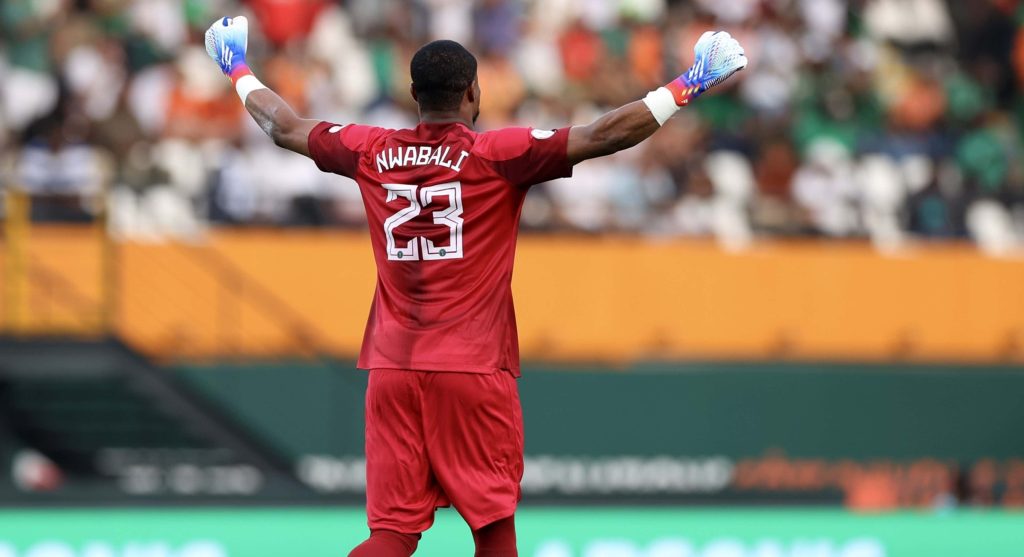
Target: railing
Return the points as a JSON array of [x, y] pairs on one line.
[[238, 291], [66, 281], [267, 293], [38, 295]]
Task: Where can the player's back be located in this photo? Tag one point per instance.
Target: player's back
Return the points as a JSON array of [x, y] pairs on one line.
[[443, 204]]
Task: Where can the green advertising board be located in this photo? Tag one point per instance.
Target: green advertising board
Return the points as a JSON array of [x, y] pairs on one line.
[[676, 433], [858, 411], [686, 432], [543, 532]]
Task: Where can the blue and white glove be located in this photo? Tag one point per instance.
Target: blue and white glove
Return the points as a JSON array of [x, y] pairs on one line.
[[716, 57], [226, 42]]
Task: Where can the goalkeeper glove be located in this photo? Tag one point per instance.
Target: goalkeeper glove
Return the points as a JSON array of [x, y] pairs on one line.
[[226, 42], [716, 57]]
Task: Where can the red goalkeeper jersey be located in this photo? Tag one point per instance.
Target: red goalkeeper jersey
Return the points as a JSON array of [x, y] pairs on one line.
[[443, 205]]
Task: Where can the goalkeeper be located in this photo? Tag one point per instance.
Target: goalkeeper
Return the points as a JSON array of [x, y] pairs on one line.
[[443, 419]]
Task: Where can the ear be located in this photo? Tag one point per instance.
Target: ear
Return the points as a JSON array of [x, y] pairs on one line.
[[471, 93], [412, 91]]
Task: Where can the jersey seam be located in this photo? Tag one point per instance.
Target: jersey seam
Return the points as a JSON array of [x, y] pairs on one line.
[[492, 368]]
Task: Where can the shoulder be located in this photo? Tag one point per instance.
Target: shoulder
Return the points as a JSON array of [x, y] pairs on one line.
[[355, 137], [507, 143]]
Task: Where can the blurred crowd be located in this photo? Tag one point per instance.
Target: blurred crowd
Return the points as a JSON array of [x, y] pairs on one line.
[[895, 120]]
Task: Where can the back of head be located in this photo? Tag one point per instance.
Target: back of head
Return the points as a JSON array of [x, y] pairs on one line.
[[441, 72]]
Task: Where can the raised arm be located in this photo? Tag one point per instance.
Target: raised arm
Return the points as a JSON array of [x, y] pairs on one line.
[[717, 56], [619, 129], [226, 42]]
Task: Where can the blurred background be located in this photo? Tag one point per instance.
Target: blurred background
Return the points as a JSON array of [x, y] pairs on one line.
[[791, 324]]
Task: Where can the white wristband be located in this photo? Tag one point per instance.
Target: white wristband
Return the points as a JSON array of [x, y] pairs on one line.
[[247, 84], [662, 104]]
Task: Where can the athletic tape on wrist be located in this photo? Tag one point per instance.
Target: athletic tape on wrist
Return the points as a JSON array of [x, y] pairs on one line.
[[662, 104], [247, 84]]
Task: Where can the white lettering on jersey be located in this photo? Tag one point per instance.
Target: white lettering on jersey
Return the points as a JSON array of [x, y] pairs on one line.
[[458, 165], [424, 155], [394, 159], [435, 157], [443, 158], [450, 216], [410, 156]]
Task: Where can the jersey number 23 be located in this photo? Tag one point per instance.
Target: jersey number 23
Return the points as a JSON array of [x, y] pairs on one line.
[[420, 197]]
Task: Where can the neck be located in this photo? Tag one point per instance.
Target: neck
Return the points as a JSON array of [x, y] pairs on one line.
[[439, 117]]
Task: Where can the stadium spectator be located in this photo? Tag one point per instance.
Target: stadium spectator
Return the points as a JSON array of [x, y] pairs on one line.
[[60, 171]]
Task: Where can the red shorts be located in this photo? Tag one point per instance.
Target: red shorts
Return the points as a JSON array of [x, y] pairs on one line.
[[438, 439]]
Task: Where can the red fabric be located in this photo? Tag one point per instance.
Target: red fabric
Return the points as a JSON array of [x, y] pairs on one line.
[[386, 543], [444, 276], [434, 439], [497, 539], [284, 20]]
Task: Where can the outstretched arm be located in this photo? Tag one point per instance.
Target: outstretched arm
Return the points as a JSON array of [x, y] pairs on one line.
[[226, 42], [279, 121], [619, 129], [717, 56]]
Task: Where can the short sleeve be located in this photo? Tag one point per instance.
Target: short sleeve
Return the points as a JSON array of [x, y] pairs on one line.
[[527, 156], [336, 148]]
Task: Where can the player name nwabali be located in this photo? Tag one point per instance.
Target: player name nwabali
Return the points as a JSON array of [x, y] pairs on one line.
[[424, 155]]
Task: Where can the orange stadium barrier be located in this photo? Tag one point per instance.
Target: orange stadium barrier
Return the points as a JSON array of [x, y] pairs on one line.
[[268, 293]]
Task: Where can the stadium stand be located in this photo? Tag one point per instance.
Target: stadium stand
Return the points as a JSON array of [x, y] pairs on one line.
[[883, 119]]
